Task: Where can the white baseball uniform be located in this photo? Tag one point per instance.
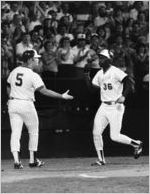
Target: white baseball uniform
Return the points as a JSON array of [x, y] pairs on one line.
[[111, 88], [23, 82]]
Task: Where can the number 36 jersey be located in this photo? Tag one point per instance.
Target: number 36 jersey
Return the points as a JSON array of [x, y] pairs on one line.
[[23, 82], [110, 83]]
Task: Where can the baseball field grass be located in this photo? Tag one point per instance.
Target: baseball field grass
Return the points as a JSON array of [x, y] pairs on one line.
[[76, 175]]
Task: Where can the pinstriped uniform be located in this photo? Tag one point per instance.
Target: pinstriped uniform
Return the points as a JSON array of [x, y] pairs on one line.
[[23, 82]]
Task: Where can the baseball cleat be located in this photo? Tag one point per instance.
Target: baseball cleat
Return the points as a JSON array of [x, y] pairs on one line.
[[138, 150], [37, 163], [18, 165], [98, 163]]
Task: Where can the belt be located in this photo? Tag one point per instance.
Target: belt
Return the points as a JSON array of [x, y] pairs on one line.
[[12, 98], [109, 102]]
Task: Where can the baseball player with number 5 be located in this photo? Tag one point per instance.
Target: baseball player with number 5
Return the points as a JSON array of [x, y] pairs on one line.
[[114, 87], [22, 83]]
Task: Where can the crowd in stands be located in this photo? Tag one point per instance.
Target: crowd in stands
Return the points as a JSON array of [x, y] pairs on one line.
[[72, 33]]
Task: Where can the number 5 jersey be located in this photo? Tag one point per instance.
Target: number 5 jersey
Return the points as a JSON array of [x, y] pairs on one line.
[[23, 82]]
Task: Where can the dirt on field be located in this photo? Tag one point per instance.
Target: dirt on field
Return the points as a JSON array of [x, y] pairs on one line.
[[76, 175]]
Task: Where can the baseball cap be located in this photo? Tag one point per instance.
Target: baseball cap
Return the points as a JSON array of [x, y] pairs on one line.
[[49, 16], [66, 37], [81, 36], [106, 53], [30, 54], [94, 35]]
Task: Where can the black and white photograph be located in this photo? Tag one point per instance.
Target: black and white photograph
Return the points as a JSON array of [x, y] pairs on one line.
[[74, 96]]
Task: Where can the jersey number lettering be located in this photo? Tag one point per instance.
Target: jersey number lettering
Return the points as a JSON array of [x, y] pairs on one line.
[[19, 79], [107, 86]]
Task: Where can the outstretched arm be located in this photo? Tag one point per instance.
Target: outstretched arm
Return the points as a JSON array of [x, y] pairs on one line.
[[43, 90]]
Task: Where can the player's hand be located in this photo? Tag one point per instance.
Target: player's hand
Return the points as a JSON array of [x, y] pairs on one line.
[[121, 100], [66, 96]]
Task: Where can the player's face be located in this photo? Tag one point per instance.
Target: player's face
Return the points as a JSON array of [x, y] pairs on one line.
[[103, 61], [35, 61]]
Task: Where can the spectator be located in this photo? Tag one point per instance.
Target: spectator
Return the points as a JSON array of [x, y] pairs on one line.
[[47, 27], [14, 9], [129, 24], [24, 45], [34, 21], [141, 62], [125, 10], [24, 10], [65, 22], [108, 29], [119, 53], [137, 7], [5, 30], [17, 28], [38, 45], [53, 5], [62, 31], [34, 36], [94, 10], [93, 60], [80, 29], [124, 20], [66, 58], [44, 8], [118, 16], [101, 32], [50, 60], [81, 51], [102, 17], [142, 40], [5, 9], [136, 33], [65, 12], [109, 8], [6, 56], [143, 25], [40, 31], [65, 52], [117, 31], [54, 22]]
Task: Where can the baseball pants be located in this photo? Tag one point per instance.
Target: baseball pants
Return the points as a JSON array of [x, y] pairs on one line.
[[113, 115], [23, 111]]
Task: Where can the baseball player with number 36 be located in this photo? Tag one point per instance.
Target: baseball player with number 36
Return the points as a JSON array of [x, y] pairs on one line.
[[22, 83], [114, 87]]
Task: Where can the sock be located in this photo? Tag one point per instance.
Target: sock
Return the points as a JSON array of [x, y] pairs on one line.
[[100, 154], [135, 143], [31, 156], [16, 156]]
